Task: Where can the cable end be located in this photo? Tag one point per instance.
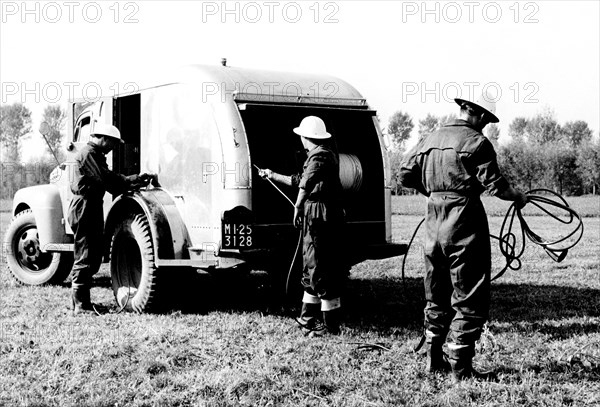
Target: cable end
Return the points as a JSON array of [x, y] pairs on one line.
[[557, 255]]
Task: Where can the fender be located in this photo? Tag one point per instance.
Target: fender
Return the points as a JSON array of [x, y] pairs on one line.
[[169, 234], [46, 205]]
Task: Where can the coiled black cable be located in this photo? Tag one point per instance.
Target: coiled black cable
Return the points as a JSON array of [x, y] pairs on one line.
[[556, 249], [507, 240]]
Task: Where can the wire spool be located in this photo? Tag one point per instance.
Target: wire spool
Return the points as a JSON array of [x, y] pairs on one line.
[[351, 172]]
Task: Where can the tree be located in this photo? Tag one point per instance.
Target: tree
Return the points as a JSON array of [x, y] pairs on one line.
[[588, 165], [560, 167], [395, 165], [400, 127], [55, 117], [544, 154], [516, 129], [520, 162], [15, 123], [577, 132], [492, 132], [543, 128], [428, 125]]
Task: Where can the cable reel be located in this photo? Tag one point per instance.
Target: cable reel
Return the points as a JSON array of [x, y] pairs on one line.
[[351, 172]]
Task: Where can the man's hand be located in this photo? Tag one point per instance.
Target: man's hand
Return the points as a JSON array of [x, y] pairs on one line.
[[521, 199], [145, 178], [265, 173], [148, 178], [510, 194], [298, 217]]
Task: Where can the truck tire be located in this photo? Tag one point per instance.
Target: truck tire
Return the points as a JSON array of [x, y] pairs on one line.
[[26, 262], [135, 277]]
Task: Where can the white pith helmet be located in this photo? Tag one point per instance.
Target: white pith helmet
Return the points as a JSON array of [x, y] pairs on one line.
[[312, 127], [102, 129], [485, 102]]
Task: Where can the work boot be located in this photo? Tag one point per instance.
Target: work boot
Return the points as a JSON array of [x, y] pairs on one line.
[[310, 316], [462, 368], [437, 360], [80, 297]]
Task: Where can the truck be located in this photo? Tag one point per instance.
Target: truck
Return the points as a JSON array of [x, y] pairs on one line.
[[204, 130]]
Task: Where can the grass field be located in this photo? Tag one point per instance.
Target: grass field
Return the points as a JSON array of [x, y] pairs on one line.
[[231, 345]]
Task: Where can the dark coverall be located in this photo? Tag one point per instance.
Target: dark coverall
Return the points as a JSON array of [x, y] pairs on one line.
[[91, 179], [453, 166], [322, 224]]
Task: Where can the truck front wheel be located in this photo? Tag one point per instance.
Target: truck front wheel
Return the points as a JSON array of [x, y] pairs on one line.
[[26, 261], [133, 270]]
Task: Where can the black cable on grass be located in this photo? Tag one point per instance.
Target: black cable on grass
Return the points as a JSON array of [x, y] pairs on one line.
[[508, 241], [583, 357], [124, 305], [109, 312]]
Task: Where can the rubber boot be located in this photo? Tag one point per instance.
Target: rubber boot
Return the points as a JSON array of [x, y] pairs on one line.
[[331, 320], [437, 360], [331, 324], [310, 316], [462, 368], [80, 297]]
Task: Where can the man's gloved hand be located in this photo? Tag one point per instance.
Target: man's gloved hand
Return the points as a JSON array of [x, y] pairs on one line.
[[265, 173], [148, 178], [145, 178], [298, 217], [521, 199], [140, 181]]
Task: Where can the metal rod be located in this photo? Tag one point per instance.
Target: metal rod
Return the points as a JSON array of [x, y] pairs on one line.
[[51, 150]]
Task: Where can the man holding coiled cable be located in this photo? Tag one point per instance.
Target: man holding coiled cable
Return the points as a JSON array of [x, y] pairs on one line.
[[452, 167]]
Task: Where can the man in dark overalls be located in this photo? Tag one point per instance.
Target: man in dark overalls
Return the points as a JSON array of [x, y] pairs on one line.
[[452, 167], [91, 179], [318, 210]]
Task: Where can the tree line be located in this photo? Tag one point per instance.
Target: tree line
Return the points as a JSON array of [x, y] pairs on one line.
[[541, 152], [16, 127]]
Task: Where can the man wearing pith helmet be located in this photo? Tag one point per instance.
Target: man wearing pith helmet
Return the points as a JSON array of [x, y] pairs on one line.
[[91, 179], [318, 211], [452, 167]]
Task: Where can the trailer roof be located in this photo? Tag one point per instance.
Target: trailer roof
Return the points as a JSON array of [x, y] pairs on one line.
[[252, 85]]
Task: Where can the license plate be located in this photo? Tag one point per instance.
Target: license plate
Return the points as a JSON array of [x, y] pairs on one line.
[[237, 236]]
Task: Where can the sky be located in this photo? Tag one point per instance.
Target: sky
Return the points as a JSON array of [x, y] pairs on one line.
[[414, 56]]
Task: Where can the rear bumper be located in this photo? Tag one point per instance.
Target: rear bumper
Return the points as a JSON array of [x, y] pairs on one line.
[[276, 244]]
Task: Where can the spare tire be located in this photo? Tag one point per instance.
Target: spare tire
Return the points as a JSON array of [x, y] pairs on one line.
[[134, 274], [26, 261]]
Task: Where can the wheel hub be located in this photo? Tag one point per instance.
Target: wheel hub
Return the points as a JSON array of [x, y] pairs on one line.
[[29, 253]]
